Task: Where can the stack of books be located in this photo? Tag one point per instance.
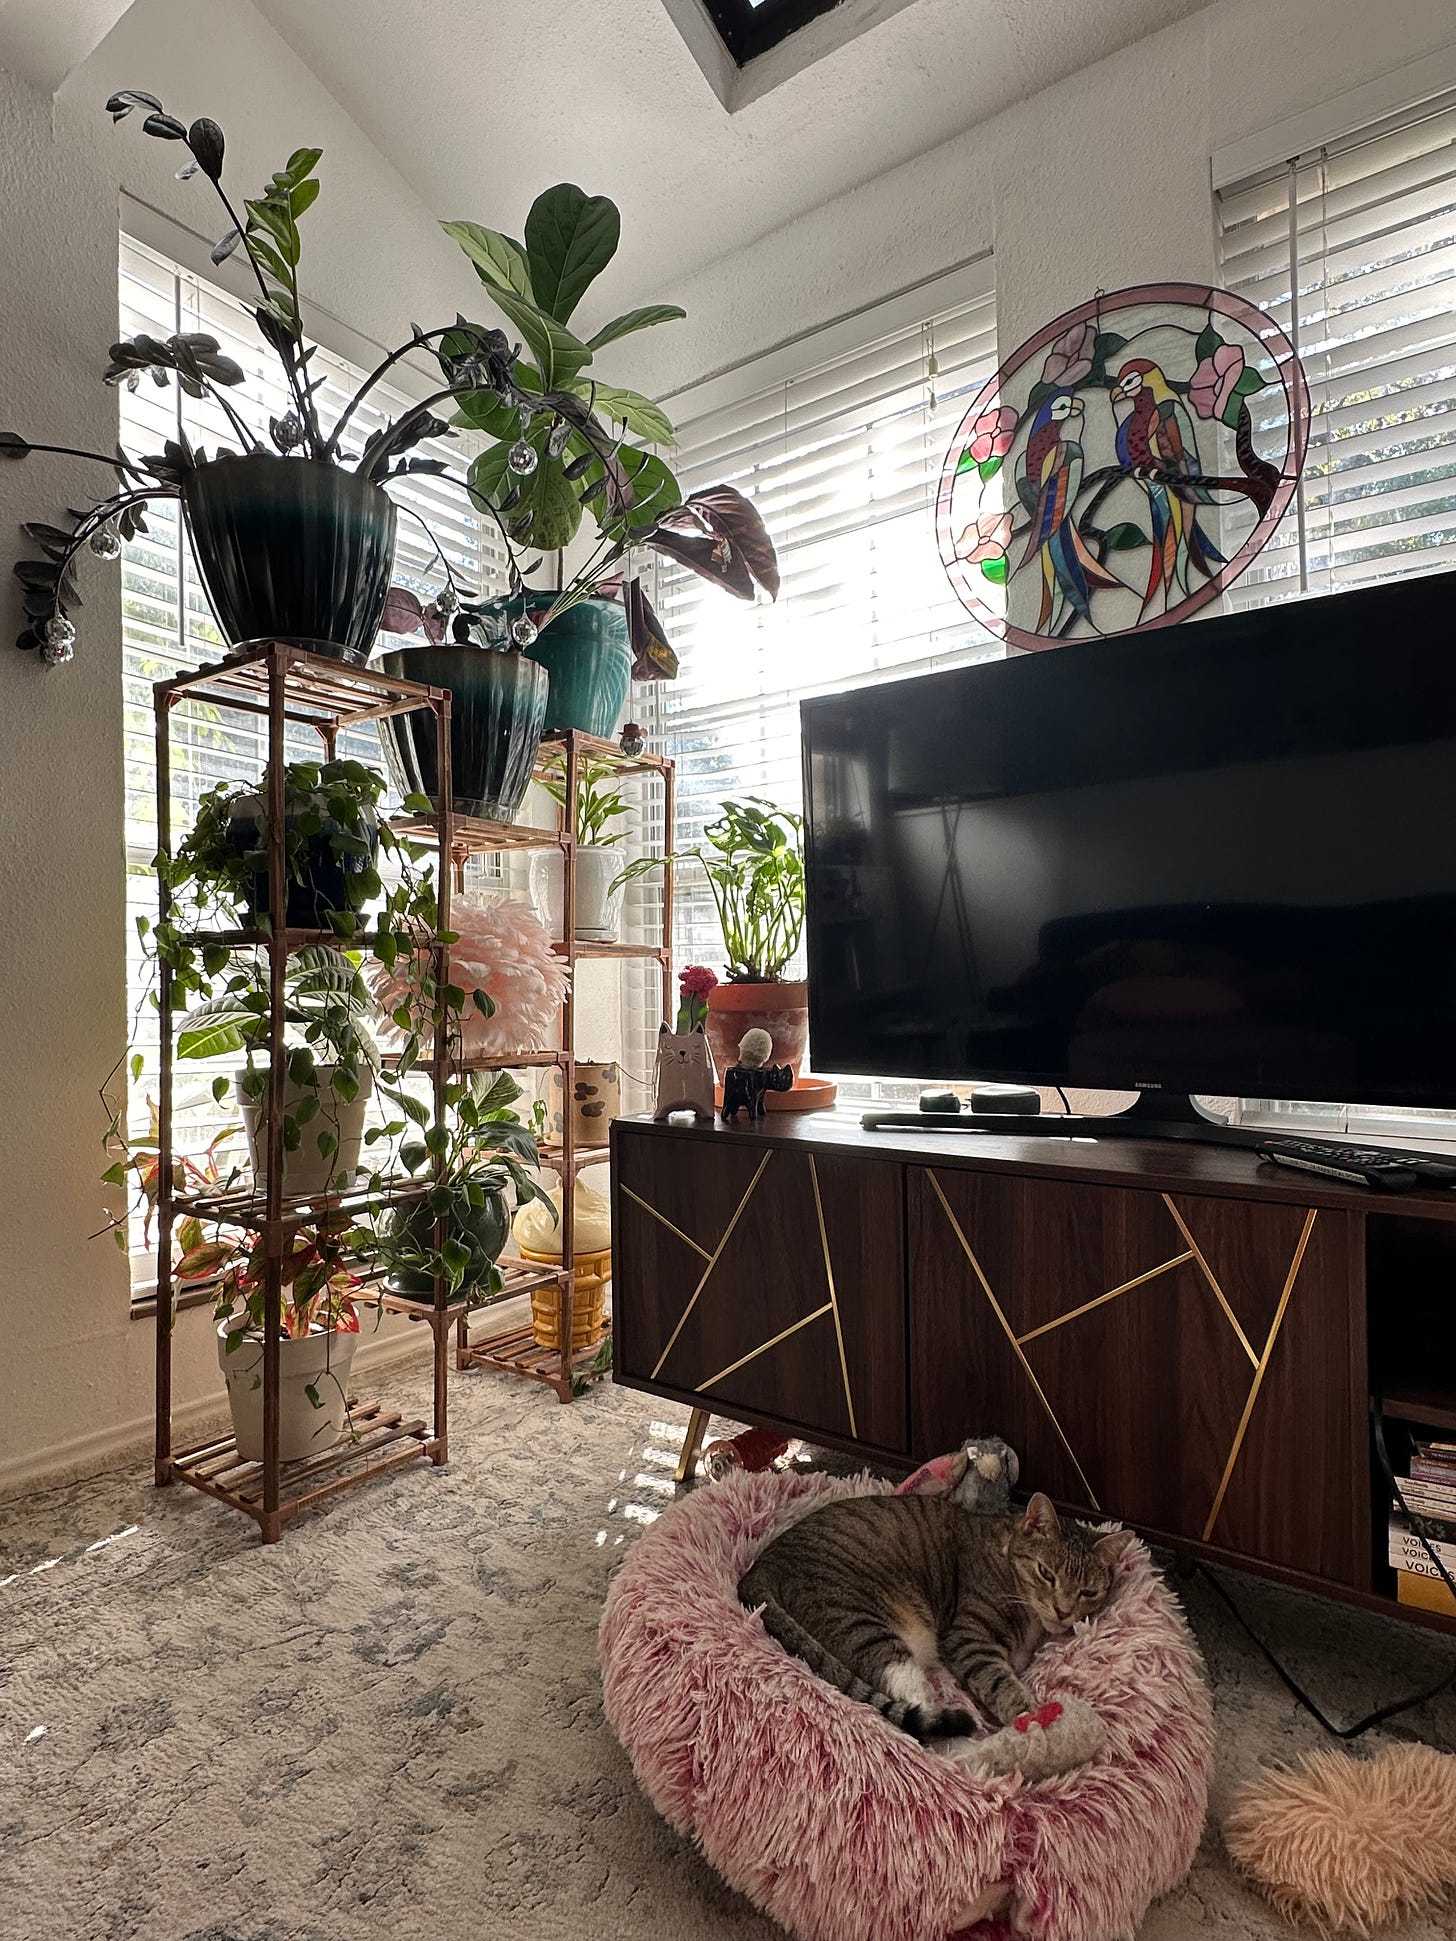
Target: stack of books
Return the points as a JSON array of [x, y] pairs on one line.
[[1430, 1495]]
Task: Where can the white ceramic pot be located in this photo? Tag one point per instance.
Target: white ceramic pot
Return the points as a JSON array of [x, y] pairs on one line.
[[306, 1169], [597, 912], [320, 1362]]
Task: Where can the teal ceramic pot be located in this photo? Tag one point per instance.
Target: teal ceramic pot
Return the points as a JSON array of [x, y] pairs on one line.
[[588, 656], [497, 708], [293, 550]]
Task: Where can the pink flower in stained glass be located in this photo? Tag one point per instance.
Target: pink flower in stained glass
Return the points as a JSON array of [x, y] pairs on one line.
[[1213, 382], [1070, 358], [992, 433], [987, 539]]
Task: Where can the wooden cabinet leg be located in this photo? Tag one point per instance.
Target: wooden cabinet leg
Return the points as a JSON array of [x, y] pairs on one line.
[[687, 1462]]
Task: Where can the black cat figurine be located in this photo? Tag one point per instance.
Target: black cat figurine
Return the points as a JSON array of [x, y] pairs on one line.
[[745, 1085]]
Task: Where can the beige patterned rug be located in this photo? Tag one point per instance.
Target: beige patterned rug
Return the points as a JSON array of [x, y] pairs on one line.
[[388, 1726]]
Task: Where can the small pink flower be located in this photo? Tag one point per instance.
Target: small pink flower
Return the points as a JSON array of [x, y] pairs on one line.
[[1213, 382], [987, 539], [1070, 358], [992, 433], [696, 980]]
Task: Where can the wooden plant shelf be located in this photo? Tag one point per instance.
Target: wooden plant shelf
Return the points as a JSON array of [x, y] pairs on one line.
[[246, 1206], [375, 1439], [469, 836], [515, 1351], [322, 693], [583, 947]]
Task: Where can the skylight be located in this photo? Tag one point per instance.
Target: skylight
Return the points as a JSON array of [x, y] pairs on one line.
[[748, 28]]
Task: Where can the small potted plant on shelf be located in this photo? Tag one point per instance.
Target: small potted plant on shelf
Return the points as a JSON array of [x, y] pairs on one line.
[[331, 1061], [333, 833], [459, 1228], [753, 858], [320, 1330], [331, 844], [600, 876]]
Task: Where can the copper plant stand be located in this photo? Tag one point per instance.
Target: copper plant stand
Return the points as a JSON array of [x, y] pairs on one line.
[[515, 1350], [287, 685]]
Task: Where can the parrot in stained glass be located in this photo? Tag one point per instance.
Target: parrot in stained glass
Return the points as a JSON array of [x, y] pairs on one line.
[[1157, 434], [1048, 478]]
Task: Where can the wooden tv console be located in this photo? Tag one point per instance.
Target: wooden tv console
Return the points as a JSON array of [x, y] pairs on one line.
[[1180, 1336]]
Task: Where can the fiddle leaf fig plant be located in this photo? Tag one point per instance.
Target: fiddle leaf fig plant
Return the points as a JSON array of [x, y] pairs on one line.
[[548, 468]]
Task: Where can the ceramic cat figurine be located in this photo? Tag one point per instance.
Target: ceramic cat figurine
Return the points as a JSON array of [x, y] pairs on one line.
[[684, 1074]]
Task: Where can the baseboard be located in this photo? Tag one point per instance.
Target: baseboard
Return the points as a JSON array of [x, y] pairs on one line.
[[123, 1440]]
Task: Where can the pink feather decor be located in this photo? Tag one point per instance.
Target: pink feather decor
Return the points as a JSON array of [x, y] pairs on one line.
[[504, 951], [842, 1828]]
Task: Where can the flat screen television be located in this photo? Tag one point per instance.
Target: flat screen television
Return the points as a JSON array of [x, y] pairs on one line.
[[1214, 858]]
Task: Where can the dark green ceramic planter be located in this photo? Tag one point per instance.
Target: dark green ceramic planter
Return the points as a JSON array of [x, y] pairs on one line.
[[293, 550], [497, 707], [482, 1230], [588, 657]]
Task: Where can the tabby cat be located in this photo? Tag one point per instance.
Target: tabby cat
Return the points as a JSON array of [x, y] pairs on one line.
[[873, 1591]]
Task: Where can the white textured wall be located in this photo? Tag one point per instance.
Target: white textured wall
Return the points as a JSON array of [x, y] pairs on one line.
[[1102, 180], [75, 1369]]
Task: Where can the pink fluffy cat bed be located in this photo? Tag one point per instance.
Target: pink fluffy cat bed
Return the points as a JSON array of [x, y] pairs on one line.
[[843, 1828]]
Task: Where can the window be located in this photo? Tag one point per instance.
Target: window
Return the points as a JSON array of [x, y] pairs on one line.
[[750, 27], [1352, 248], [166, 624], [1370, 222], [842, 458]]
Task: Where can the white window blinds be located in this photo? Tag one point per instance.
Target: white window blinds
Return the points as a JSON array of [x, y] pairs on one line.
[[1352, 249], [842, 460], [166, 624]]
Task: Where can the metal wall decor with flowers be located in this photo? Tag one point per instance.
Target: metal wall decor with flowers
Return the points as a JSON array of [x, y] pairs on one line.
[[1123, 466]]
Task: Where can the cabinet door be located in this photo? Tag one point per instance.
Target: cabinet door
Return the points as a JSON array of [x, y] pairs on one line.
[[763, 1278], [1181, 1361]]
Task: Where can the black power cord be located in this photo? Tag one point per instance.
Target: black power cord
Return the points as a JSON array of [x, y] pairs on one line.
[[1296, 1691]]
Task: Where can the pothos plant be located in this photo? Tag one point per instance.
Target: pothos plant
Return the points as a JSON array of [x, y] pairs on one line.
[[480, 1157], [224, 994], [547, 468], [475, 364]]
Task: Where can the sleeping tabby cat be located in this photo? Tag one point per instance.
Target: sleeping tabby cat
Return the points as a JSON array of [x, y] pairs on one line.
[[872, 1591]]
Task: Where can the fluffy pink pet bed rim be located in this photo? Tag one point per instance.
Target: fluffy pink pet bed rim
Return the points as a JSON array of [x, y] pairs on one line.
[[842, 1828]]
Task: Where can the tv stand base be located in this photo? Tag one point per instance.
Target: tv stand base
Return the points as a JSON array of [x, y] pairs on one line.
[[1155, 1115]]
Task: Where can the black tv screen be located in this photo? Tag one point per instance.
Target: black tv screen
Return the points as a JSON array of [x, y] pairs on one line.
[[1215, 858]]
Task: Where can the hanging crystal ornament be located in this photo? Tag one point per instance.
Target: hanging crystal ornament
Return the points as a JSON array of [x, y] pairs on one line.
[[58, 641], [287, 431], [522, 459], [556, 442], [525, 413], [524, 631], [632, 740], [105, 542]]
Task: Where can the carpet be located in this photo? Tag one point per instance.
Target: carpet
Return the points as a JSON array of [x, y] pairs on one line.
[[390, 1724]]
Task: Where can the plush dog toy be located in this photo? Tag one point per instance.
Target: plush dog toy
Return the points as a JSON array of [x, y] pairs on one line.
[[980, 1475], [1350, 1843]]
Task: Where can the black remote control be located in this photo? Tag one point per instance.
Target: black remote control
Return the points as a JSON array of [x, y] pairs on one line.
[[1387, 1169]]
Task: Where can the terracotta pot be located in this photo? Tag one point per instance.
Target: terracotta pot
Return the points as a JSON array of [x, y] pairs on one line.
[[782, 1010]]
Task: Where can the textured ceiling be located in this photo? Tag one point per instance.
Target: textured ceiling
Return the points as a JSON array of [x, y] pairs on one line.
[[481, 103]]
